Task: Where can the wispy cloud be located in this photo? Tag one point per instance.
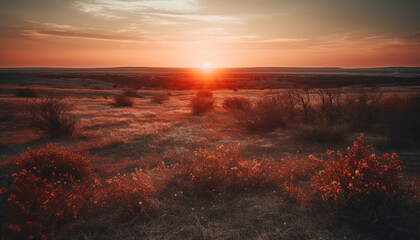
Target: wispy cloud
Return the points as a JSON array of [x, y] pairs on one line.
[[117, 8], [44, 30]]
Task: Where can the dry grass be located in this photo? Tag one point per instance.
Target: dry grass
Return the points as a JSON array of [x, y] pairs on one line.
[[143, 184], [320, 132], [236, 103], [159, 99], [202, 102], [26, 93]]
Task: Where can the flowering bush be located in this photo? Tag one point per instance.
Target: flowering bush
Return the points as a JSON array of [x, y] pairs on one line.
[[358, 176], [55, 164], [46, 191], [132, 192], [222, 170]]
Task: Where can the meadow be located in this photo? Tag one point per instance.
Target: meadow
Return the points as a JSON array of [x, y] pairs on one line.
[[92, 154]]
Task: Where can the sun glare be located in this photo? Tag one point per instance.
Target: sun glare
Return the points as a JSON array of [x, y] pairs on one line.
[[206, 65]]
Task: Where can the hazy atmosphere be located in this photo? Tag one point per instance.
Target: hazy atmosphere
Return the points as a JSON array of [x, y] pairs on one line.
[[209, 119], [185, 33]]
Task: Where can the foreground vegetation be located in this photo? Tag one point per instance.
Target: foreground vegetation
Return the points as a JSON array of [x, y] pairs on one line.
[[55, 187], [92, 188]]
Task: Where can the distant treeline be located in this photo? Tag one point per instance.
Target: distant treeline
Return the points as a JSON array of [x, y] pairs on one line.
[[226, 80]]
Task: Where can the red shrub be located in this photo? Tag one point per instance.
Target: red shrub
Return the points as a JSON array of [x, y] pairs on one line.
[[123, 101], [55, 164], [132, 193], [222, 170], [48, 190], [358, 176]]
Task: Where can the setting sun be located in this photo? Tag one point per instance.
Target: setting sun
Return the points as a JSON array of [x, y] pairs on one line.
[[206, 65], [209, 119]]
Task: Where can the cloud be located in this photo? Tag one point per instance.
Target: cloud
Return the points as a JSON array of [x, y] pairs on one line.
[[200, 18], [44, 30], [117, 8]]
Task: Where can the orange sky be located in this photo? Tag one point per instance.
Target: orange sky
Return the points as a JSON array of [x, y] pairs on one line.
[[186, 33]]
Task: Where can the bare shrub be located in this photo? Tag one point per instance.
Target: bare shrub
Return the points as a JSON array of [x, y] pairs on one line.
[[236, 103], [159, 99], [301, 101], [331, 105], [402, 117], [362, 108], [51, 115], [203, 102], [267, 114], [123, 101], [26, 93]]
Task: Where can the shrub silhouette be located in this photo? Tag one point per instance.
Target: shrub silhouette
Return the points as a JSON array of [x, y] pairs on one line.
[[159, 99], [362, 108], [402, 117], [51, 115], [358, 177], [123, 101], [267, 114], [203, 102], [236, 103], [26, 92]]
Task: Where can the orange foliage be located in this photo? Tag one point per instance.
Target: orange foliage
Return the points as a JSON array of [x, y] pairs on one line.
[[46, 191], [223, 170], [358, 176]]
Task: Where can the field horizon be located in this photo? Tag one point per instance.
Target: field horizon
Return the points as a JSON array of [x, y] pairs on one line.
[[209, 120]]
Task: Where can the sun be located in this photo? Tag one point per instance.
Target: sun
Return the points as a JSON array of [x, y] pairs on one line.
[[206, 65]]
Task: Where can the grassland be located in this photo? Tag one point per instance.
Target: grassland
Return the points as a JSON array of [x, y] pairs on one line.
[[159, 136]]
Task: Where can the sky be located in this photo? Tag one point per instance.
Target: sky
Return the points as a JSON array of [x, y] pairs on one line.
[[227, 33]]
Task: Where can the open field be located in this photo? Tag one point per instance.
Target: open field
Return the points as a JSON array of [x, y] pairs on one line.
[[158, 138]]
